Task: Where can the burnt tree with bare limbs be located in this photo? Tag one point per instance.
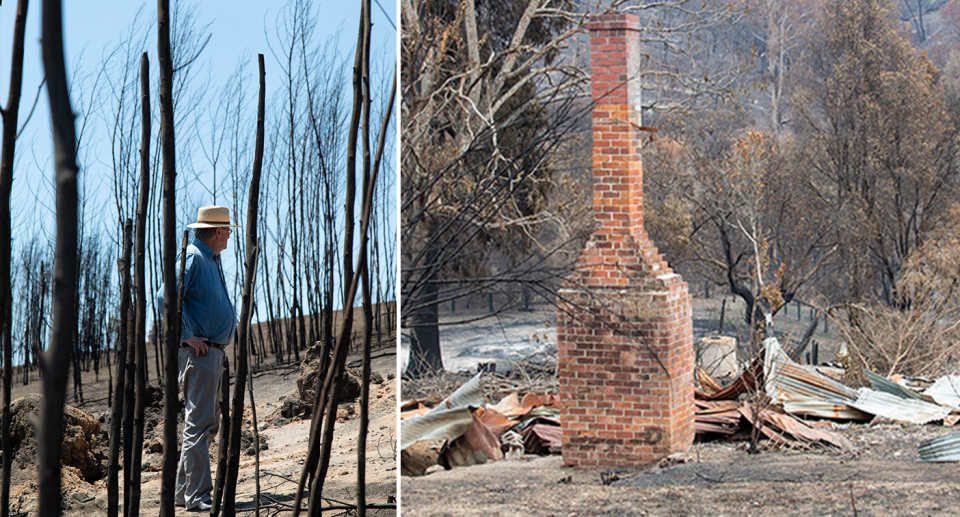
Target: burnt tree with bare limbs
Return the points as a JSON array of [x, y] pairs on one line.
[[224, 438], [321, 431], [321, 462], [243, 338], [128, 355], [322, 424]]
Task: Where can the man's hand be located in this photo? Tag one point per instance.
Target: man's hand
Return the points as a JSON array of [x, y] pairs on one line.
[[198, 344]]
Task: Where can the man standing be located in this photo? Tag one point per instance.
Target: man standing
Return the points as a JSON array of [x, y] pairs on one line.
[[208, 323]]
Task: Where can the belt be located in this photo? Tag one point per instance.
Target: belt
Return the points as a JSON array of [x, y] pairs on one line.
[[208, 343]]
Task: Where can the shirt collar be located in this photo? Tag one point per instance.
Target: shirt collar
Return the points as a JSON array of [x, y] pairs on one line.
[[203, 248]]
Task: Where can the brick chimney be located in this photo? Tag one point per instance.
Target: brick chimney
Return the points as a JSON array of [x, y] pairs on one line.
[[625, 332]]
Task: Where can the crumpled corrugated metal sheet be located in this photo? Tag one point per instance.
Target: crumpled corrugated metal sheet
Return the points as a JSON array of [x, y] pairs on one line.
[[542, 439], [746, 382], [470, 394], [443, 424], [941, 449], [881, 383], [899, 409], [782, 372], [478, 445], [823, 409], [945, 391], [804, 391], [787, 430], [708, 384], [716, 416], [448, 421]]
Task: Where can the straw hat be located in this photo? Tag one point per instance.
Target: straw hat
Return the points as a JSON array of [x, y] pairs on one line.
[[213, 217]]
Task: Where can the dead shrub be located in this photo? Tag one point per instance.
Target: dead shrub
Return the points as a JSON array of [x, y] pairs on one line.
[[920, 336], [432, 385]]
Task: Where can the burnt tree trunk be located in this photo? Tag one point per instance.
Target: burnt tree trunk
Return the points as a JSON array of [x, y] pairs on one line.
[[129, 360], [425, 356], [317, 455], [139, 341], [273, 325], [333, 376], [364, 271], [262, 350], [10, 115], [314, 463], [40, 324], [116, 412], [256, 440], [224, 444], [242, 342], [129, 404], [50, 434], [171, 317], [78, 350]]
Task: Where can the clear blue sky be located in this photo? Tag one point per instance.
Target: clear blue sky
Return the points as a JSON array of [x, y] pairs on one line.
[[238, 30]]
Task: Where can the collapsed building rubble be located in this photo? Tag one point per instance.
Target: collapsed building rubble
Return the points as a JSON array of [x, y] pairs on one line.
[[805, 391], [790, 404], [461, 430]]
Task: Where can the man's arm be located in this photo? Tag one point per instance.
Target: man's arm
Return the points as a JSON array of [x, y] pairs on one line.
[[187, 336], [186, 333]]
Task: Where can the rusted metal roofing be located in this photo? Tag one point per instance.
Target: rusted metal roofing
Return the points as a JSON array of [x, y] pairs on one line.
[[823, 409], [805, 391], [720, 416], [707, 382], [785, 429], [749, 380], [449, 420]]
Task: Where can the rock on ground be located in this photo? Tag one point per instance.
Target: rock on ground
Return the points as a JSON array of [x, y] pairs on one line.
[[310, 370], [80, 433]]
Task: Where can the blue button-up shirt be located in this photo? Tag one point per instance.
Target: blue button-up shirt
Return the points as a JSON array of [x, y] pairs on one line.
[[207, 310]]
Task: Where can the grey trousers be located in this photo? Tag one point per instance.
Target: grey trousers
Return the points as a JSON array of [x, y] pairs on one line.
[[200, 381]]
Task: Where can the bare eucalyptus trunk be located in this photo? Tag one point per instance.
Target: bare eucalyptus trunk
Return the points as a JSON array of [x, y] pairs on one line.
[[129, 367], [10, 115], [141, 301], [170, 315], [116, 412], [224, 443], [41, 324], [256, 440], [365, 272], [242, 342], [65, 275], [275, 340], [78, 350]]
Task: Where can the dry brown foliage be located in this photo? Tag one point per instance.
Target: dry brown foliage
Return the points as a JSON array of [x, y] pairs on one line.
[[920, 335]]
